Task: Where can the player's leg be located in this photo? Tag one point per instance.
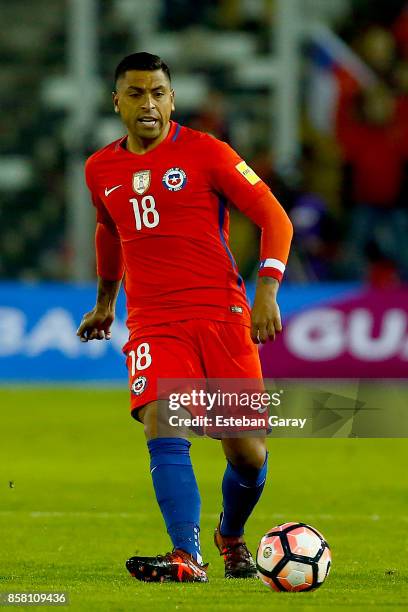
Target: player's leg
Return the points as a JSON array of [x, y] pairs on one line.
[[243, 482], [174, 483], [231, 354], [242, 486], [170, 464]]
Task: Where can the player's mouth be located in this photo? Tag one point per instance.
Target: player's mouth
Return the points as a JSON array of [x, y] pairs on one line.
[[149, 122]]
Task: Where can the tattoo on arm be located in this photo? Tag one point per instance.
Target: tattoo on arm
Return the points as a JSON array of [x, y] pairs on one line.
[[268, 285], [268, 280], [107, 292]]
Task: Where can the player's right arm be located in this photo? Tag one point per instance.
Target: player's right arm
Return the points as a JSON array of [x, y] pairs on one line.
[[96, 324]]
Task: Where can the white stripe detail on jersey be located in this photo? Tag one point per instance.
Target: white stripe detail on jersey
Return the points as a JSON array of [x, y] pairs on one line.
[[273, 263]]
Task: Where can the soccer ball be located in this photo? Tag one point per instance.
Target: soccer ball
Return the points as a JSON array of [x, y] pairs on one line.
[[293, 557]]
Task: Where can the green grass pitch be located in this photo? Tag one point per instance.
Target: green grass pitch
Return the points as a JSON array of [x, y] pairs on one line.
[[76, 500]]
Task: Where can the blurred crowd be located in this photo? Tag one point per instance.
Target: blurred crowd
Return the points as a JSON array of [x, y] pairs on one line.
[[346, 193], [364, 208]]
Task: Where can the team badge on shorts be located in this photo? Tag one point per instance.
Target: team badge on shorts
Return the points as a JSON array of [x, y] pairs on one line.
[[174, 179], [139, 385], [141, 181]]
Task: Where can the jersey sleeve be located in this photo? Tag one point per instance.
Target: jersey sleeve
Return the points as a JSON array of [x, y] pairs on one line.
[[109, 260], [234, 180]]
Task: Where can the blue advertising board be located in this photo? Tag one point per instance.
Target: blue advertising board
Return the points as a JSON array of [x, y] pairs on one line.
[[38, 325]]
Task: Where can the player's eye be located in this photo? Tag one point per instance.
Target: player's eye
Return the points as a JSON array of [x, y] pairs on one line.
[[159, 94]]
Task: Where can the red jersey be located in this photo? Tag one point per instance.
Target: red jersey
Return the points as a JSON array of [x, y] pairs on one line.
[[162, 219]]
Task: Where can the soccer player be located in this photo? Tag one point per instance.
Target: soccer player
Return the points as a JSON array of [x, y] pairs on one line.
[[161, 195]]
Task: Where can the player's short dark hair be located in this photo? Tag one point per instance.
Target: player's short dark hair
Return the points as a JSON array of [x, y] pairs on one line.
[[141, 61]]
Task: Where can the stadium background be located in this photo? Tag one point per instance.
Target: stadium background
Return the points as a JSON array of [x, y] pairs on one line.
[[305, 91], [314, 95]]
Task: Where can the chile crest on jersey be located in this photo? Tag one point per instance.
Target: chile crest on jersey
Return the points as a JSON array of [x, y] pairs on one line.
[[174, 179]]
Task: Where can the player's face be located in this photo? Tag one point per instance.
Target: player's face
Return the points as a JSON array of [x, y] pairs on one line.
[[145, 101]]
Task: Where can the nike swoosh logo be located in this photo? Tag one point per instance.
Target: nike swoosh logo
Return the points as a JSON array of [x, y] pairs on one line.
[[108, 191]]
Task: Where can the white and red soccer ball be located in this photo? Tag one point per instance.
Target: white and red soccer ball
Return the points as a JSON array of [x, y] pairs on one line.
[[293, 557]]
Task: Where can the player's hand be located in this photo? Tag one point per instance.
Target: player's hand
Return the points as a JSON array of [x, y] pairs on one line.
[[265, 315], [96, 325]]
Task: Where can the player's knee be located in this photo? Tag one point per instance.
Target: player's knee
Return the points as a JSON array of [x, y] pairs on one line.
[[148, 416], [247, 453]]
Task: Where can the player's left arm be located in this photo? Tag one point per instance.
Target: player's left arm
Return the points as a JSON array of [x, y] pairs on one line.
[[276, 237], [240, 185]]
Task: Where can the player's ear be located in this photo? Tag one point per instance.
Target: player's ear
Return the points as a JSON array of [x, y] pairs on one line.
[[172, 95], [115, 99]]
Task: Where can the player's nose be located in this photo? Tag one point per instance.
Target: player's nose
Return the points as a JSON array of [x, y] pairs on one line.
[[148, 102]]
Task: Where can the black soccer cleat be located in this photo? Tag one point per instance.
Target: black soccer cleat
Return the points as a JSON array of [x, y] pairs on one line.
[[177, 566], [237, 558]]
